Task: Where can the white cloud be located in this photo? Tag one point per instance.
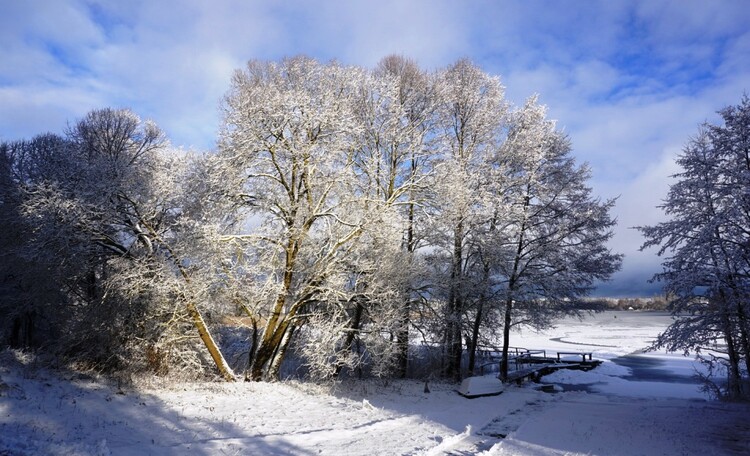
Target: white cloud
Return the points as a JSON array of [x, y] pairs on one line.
[[686, 20], [628, 81], [638, 206]]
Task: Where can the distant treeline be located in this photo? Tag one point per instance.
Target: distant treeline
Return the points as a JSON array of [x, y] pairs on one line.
[[649, 303]]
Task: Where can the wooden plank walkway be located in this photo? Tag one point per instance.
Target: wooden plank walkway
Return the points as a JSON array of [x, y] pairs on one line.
[[537, 363], [536, 372]]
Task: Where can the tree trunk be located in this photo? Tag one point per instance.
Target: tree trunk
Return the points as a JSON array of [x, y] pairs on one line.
[[480, 311], [402, 337], [744, 336], [734, 377], [272, 339], [276, 325], [253, 338], [354, 324], [455, 308], [475, 335], [506, 338], [734, 380], [453, 347], [198, 321], [209, 342], [275, 367], [512, 283], [22, 331], [746, 348], [509, 309], [402, 342], [253, 349]]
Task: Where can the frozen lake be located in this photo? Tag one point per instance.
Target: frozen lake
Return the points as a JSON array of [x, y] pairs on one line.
[[620, 338], [607, 334]]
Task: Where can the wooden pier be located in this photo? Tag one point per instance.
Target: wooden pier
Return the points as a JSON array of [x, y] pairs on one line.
[[529, 365]]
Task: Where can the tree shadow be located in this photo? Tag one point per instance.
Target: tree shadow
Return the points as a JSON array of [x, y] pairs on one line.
[[63, 412], [441, 405]]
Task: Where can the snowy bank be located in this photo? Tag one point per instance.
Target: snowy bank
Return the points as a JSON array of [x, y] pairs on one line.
[[606, 411]]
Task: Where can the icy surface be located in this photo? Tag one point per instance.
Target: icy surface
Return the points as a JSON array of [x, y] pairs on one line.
[[612, 410]]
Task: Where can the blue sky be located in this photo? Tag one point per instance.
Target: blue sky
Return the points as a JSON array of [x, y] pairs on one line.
[[629, 81]]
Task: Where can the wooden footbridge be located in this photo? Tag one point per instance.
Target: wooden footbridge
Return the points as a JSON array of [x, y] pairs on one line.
[[524, 364], [534, 364]]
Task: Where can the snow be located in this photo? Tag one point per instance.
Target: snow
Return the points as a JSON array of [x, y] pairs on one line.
[[601, 425], [483, 385], [608, 410]]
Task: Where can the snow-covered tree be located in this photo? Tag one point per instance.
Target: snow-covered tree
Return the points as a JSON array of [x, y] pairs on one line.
[[328, 161], [705, 244], [106, 209], [357, 324], [469, 124], [290, 138], [342, 204], [554, 238], [397, 109], [29, 290]]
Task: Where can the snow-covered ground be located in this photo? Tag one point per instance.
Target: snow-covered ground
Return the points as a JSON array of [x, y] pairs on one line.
[[655, 408]]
